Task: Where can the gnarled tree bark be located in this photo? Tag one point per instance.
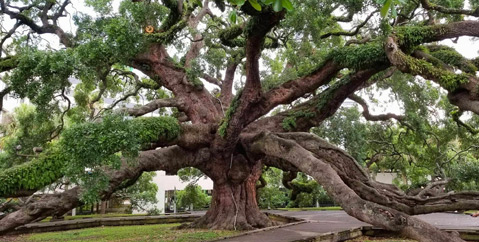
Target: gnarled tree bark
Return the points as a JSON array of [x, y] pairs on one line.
[[234, 205]]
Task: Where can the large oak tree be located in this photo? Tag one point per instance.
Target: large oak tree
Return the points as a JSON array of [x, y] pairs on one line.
[[293, 65]]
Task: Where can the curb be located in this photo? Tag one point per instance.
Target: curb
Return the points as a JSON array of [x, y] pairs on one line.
[[335, 236], [99, 222]]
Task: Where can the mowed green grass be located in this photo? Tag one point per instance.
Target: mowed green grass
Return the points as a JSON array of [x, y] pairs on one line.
[[157, 232]]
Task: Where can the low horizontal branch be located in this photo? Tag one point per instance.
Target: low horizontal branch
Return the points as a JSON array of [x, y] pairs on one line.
[[435, 7], [152, 106], [170, 159]]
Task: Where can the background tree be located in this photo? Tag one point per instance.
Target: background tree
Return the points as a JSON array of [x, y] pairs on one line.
[[192, 197], [140, 194], [293, 63], [270, 191]]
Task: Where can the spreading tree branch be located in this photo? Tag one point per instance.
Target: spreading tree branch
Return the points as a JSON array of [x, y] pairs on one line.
[[430, 6], [351, 33], [3, 93], [211, 79], [258, 27], [312, 112], [456, 116], [199, 103], [197, 42], [370, 117], [152, 106], [8, 35], [46, 28], [461, 87], [47, 168], [170, 159], [227, 84], [8, 63]]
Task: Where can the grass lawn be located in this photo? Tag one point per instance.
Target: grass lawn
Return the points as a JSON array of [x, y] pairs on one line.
[[157, 232], [470, 212], [312, 209]]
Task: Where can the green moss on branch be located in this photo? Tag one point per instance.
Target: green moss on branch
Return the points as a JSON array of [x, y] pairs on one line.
[[446, 79], [86, 145], [411, 36], [230, 33], [229, 113], [289, 123], [314, 107], [8, 63], [33, 175], [451, 57], [369, 55], [156, 128], [231, 36]]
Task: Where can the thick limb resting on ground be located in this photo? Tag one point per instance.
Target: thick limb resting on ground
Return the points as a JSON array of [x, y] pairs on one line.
[[170, 159], [332, 168]]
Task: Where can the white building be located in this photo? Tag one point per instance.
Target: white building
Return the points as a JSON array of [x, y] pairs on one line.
[[385, 177], [169, 184]]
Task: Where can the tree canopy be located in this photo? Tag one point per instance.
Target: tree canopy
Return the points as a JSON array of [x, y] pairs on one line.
[[234, 86]]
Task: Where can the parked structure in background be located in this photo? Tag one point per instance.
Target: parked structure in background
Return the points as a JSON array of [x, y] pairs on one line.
[[385, 177]]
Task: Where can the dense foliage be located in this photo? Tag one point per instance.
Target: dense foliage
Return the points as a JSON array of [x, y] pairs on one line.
[[192, 197]]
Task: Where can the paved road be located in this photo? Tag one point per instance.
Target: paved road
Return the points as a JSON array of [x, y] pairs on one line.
[[320, 222], [440, 220], [451, 221]]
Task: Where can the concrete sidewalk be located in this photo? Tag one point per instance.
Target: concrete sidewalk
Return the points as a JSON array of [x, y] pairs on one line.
[[321, 222], [318, 223]]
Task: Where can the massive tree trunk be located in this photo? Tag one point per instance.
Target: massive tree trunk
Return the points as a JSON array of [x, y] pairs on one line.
[[234, 205]]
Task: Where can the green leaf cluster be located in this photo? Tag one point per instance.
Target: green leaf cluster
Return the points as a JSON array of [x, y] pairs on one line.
[[142, 193], [23, 130], [389, 5], [40, 74], [192, 194], [274, 194], [360, 57], [85, 149], [258, 5]]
